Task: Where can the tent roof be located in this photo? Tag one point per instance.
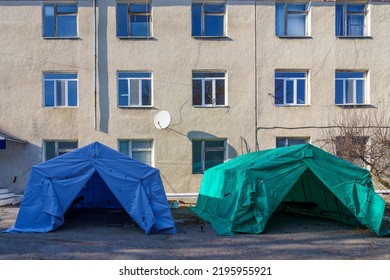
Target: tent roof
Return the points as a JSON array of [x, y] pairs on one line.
[[53, 186], [242, 193]]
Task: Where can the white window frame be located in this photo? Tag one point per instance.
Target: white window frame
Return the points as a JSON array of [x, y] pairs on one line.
[[140, 79], [55, 90], [366, 95], [295, 82], [131, 149], [214, 93], [58, 150]]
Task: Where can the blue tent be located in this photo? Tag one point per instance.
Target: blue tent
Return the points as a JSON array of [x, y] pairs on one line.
[[104, 178]]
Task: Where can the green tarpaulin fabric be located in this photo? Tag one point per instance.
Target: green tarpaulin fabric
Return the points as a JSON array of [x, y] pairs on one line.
[[239, 196]]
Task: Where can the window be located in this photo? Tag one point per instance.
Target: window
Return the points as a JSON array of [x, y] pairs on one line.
[[290, 88], [134, 89], [140, 150], [208, 19], [291, 19], [350, 88], [60, 90], [54, 149], [289, 141], [59, 20], [208, 89], [207, 154], [133, 20], [351, 19]]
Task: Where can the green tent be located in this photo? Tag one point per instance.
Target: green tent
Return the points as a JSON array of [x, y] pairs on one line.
[[240, 195]]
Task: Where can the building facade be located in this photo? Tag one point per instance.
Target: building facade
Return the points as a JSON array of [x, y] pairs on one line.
[[234, 76]]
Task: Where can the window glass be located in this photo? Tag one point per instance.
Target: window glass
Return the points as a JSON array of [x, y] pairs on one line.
[[134, 92], [301, 88], [220, 92], [123, 92], [121, 17], [142, 156], [279, 84], [146, 92], [196, 157], [139, 26], [124, 147], [284, 142], [49, 23], [196, 19], [208, 92], [213, 25], [339, 92], [72, 93], [64, 9], [50, 150], [60, 93], [197, 92], [360, 92], [350, 19], [213, 158], [49, 93]]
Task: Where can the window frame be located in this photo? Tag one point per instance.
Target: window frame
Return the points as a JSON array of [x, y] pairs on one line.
[[295, 84], [56, 14], [129, 79], [288, 139], [346, 13], [131, 149], [58, 150], [214, 88], [288, 12], [205, 149], [131, 14], [203, 15], [344, 93], [67, 80]]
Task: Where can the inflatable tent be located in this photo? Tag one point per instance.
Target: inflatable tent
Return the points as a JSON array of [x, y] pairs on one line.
[[240, 195], [102, 178]]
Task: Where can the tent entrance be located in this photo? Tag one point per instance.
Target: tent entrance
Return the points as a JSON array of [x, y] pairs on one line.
[[96, 204], [310, 196]]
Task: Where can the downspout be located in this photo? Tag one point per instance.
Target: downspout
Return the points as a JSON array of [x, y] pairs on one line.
[[94, 67], [256, 97]]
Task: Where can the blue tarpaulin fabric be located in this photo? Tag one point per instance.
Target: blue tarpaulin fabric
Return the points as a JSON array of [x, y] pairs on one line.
[[55, 184]]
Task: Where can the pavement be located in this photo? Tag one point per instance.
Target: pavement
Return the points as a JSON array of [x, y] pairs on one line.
[[111, 235]]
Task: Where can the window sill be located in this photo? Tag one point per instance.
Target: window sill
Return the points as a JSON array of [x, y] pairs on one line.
[[216, 38], [294, 37], [351, 106], [61, 107], [354, 37], [210, 107], [61, 38], [136, 107], [292, 105], [137, 38]]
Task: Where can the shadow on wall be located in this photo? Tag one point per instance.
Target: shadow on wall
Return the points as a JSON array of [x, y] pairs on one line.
[[16, 161], [102, 75]]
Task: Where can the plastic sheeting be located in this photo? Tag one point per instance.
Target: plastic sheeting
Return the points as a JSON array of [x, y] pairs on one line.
[[55, 184], [241, 194]]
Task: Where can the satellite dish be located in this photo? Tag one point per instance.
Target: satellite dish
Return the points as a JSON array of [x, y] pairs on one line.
[[162, 120]]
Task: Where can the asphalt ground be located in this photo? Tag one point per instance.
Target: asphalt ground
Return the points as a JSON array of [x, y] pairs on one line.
[[111, 235]]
